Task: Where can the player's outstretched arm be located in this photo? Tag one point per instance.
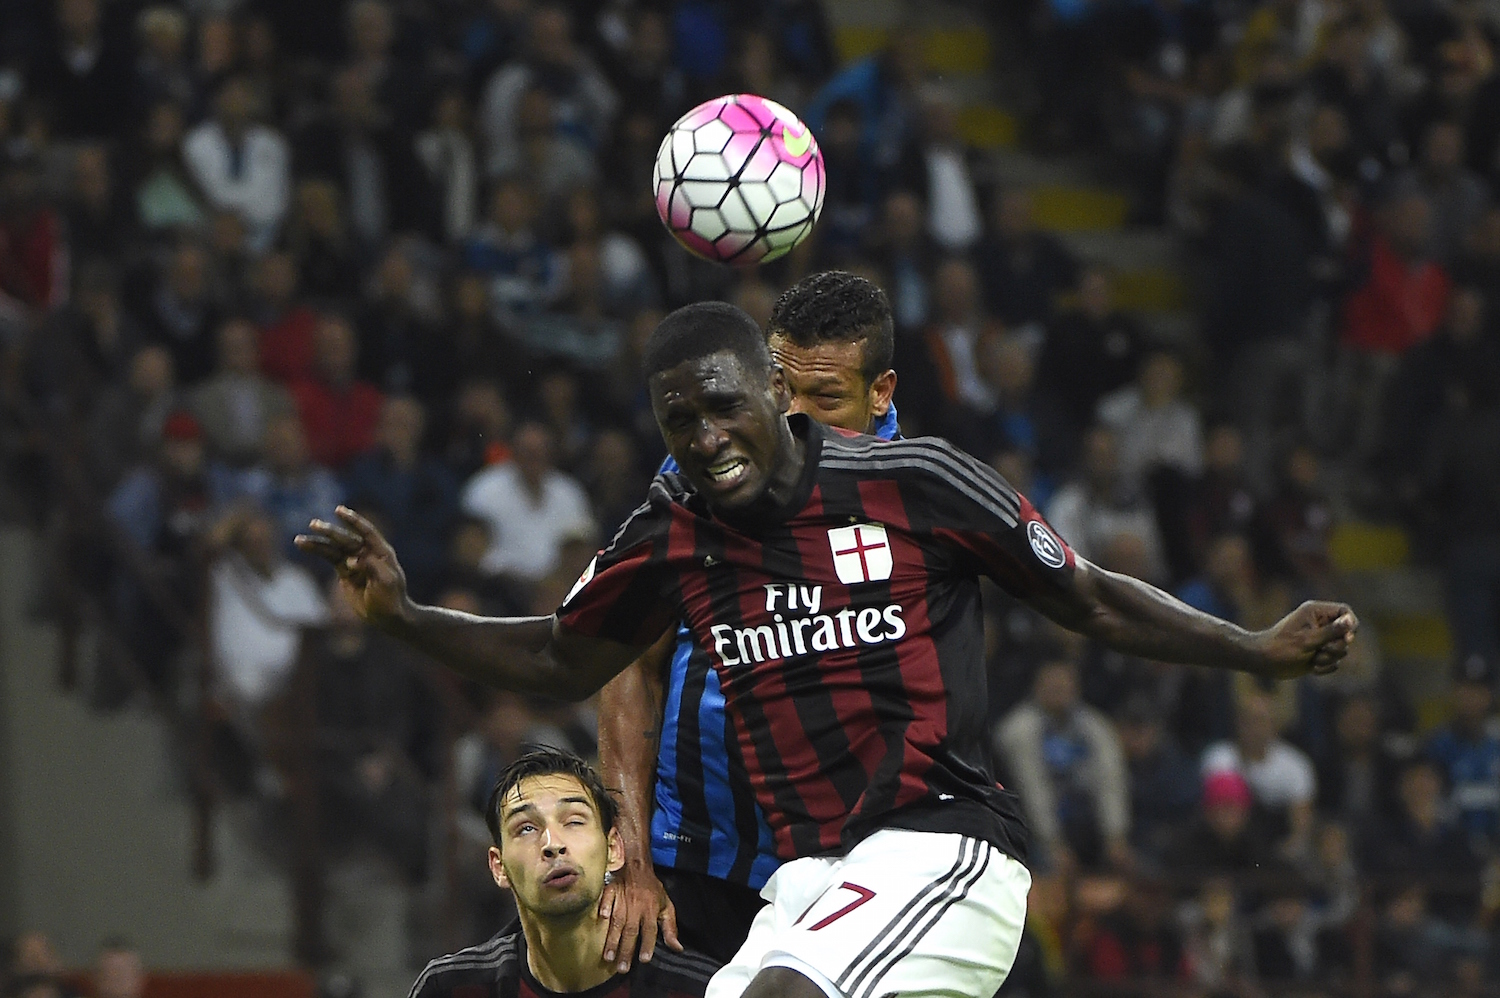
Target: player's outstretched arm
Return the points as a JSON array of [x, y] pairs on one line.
[[630, 719], [1135, 617], [525, 654]]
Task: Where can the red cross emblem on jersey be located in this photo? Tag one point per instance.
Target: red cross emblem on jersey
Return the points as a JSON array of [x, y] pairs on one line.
[[861, 553]]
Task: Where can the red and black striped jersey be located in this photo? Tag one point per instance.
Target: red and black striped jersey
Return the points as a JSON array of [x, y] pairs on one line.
[[846, 630], [498, 969]]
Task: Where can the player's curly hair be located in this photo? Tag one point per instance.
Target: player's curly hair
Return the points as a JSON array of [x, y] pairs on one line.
[[550, 762], [835, 306], [704, 328]]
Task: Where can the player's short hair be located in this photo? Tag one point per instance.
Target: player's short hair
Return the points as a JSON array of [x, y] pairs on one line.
[[836, 306], [701, 329], [550, 762]]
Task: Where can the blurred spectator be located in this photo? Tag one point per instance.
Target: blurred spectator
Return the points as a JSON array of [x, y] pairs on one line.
[[1216, 941], [1223, 839], [557, 163], [127, 419], [380, 741], [118, 971], [286, 325], [1298, 520], [287, 485], [85, 347], [259, 605], [1091, 350], [1164, 783], [1357, 773], [163, 194], [1419, 842], [411, 494], [1467, 750], [906, 253], [1023, 419], [235, 405], [1066, 761], [853, 186], [1154, 427], [1280, 775], [957, 326], [884, 87], [338, 411], [318, 238], [623, 282], [479, 432], [33, 968], [446, 152], [643, 71], [370, 33], [557, 403], [531, 508], [357, 147], [582, 102], [162, 72], [33, 247], [98, 223], [937, 164], [1456, 194], [614, 478], [180, 311], [1224, 500], [1100, 505], [1414, 948], [395, 331], [525, 275], [84, 71], [1139, 941], [1399, 305], [1022, 268], [240, 165], [1283, 937]]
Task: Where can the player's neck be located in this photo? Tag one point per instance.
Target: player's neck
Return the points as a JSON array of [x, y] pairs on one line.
[[566, 954]]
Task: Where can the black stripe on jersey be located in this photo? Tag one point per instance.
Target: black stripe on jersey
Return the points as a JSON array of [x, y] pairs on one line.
[[493, 957], [973, 478], [724, 585], [880, 665], [746, 822], [812, 698]]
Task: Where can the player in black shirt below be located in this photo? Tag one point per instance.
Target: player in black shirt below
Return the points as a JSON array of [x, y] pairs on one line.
[[556, 845], [834, 582]]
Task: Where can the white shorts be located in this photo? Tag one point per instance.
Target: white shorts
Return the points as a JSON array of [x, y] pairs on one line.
[[902, 913]]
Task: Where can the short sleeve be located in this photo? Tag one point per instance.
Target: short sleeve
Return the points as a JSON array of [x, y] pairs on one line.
[[628, 592], [990, 526]]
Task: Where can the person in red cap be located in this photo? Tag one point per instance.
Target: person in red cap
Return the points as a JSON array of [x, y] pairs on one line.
[[1225, 838]]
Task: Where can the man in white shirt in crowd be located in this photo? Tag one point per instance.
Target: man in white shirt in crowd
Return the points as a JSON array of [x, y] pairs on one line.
[[531, 508], [240, 166], [1281, 777]]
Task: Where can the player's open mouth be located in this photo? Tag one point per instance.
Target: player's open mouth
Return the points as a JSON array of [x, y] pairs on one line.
[[726, 472]]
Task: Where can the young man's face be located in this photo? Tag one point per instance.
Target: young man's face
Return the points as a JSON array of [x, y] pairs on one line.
[[827, 382], [722, 423], [555, 851]]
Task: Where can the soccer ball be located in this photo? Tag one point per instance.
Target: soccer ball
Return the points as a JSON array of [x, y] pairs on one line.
[[739, 179]]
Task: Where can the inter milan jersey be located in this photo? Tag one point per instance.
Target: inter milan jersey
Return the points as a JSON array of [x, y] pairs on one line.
[[497, 969], [706, 819], [845, 631]]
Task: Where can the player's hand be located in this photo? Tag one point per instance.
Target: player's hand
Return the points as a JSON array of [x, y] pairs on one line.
[[368, 571], [636, 903], [1313, 638]]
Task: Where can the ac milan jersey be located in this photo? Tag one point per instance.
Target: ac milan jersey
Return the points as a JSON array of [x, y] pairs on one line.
[[846, 632], [705, 819], [498, 969]]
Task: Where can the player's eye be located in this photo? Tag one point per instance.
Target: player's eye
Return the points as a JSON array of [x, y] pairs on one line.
[[525, 829]]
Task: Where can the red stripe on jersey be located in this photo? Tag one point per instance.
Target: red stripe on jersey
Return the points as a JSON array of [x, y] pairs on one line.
[[916, 653]]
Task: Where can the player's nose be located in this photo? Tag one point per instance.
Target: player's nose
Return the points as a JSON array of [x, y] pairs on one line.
[[709, 438]]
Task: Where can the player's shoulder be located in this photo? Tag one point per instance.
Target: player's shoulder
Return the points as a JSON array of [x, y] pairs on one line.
[[482, 966], [926, 460], [674, 975]]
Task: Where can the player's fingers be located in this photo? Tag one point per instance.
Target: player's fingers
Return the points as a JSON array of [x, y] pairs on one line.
[[632, 924], [616, 913], [336, 534], [358, 524], [648, 935], [668, 920], [320, 546]]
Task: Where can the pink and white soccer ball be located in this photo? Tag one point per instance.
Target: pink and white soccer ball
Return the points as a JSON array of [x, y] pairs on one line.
[[739, 179]]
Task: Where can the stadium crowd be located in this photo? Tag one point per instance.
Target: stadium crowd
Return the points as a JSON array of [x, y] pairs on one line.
[[259, 258]]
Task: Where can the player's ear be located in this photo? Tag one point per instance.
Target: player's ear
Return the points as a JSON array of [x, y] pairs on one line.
[[882, 389], [497, 868], [616, 851], [779, 390]]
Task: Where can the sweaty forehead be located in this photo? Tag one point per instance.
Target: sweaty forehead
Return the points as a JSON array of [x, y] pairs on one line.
[[842, 361], [716, 372], [543, 792]]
